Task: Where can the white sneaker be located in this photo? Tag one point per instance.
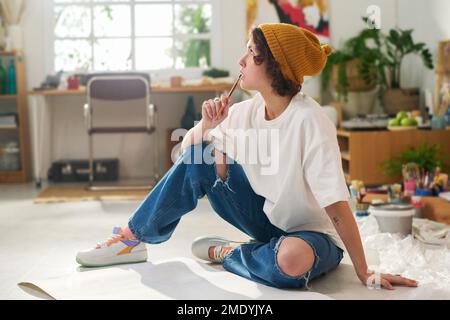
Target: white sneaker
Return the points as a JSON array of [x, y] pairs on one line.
[[222, 247], [116, 250]]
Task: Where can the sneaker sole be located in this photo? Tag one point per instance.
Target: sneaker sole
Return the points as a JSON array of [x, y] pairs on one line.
[[94, 265], [200, 251]]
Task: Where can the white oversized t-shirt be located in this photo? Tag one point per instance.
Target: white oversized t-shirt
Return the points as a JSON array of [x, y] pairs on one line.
[[293, 161]]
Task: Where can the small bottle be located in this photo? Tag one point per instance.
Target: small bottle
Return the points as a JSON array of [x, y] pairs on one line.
[[417, 205], [12, 86], [3, 79]]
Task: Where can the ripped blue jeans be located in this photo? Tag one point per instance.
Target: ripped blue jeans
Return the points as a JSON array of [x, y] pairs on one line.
[[190, 179]]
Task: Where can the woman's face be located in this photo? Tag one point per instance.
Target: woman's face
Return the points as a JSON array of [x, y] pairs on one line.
[[254, 76]]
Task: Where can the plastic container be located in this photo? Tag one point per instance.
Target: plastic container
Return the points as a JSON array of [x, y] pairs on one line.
[[10, 157], [394, 218], [424, 192], [361, 209], [438, 122]]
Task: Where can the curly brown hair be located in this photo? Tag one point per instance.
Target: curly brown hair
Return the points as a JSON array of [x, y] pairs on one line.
[[282, 86]]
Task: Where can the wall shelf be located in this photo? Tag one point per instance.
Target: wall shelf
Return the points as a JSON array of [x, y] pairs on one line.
[[7, 97], [20, 134]]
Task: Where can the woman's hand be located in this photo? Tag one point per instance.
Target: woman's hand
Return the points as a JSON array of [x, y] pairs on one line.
[[387, 281], [210, 110]]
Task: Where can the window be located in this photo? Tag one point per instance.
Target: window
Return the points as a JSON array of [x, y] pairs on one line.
[[117, 35]]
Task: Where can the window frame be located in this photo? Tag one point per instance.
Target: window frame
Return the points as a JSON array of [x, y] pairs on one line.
[[161, 74]]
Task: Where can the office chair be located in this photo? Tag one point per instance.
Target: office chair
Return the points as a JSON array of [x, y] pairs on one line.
[[120, 88]]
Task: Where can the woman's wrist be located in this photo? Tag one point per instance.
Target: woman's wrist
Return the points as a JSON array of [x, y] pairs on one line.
[[205, 129], [362, 272]]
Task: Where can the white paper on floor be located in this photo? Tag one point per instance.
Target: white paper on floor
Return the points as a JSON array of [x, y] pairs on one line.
[[181, 278], [423, 256]]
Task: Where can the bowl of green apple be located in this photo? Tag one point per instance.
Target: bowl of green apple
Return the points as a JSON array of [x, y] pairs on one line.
[[402, 121]]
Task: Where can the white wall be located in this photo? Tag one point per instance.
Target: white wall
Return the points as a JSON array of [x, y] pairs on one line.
[[431, 21], [346, 17], [428, 17]]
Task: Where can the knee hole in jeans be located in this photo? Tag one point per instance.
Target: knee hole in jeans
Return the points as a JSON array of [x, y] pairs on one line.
[[295, 257]]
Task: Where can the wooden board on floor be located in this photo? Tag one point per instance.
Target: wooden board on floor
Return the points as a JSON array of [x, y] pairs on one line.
[[79, 193]]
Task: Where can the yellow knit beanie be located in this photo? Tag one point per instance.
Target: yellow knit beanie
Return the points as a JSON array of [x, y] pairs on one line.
[[297, 50]]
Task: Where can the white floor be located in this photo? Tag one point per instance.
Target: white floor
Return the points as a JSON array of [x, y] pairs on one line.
[[40, 241]]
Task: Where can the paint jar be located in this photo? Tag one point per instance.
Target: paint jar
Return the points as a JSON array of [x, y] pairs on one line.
[[362, 209], [395, 193]]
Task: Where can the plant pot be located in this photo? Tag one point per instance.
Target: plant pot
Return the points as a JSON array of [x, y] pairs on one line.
[[355, 82], [358, 103], [396, 100], [394, 218]]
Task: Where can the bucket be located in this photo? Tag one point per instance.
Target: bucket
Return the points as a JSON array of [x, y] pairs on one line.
[[394, 218]]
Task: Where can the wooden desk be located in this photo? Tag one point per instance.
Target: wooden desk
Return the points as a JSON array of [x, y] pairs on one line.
[[41, 117], [154, 89]]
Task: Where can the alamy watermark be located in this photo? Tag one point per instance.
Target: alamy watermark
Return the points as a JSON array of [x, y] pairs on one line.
[[373, 15], [259, 147]]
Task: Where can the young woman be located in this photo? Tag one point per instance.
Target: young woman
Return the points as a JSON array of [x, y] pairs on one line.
[[273, 170]]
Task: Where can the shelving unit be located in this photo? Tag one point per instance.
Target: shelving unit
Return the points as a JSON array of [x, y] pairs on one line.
[[20, 134], [362, 152]]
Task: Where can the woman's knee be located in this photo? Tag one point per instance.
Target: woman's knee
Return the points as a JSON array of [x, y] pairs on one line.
[[295, 257]]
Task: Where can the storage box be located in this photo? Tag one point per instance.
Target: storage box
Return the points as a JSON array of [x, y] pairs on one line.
[[78, 170], [10, 157]]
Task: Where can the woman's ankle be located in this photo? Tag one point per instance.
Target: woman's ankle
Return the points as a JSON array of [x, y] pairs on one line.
[[126, 232]]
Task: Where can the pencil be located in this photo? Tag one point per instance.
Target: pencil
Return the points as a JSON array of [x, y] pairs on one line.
[[229, 94]]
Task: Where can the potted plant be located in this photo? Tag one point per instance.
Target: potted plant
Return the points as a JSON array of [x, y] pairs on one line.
[[351, 69], [396, 46], [379, 59], [426, 157]]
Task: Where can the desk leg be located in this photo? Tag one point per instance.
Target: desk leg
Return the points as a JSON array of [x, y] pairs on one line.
[[40, 123]]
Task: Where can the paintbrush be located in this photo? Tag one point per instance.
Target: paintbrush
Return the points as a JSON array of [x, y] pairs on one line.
[[229, 94]]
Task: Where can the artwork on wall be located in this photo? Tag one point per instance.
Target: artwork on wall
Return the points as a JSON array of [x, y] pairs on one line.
[[309, 14], [443, 79]]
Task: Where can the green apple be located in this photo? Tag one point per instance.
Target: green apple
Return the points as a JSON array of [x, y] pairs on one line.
[[402, 115], [407, 122], [394, 123]]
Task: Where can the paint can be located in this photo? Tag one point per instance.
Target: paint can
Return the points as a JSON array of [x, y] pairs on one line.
[[394, 218]]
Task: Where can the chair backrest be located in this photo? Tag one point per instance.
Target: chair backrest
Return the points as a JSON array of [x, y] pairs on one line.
[[118, 86], [118, 99]]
